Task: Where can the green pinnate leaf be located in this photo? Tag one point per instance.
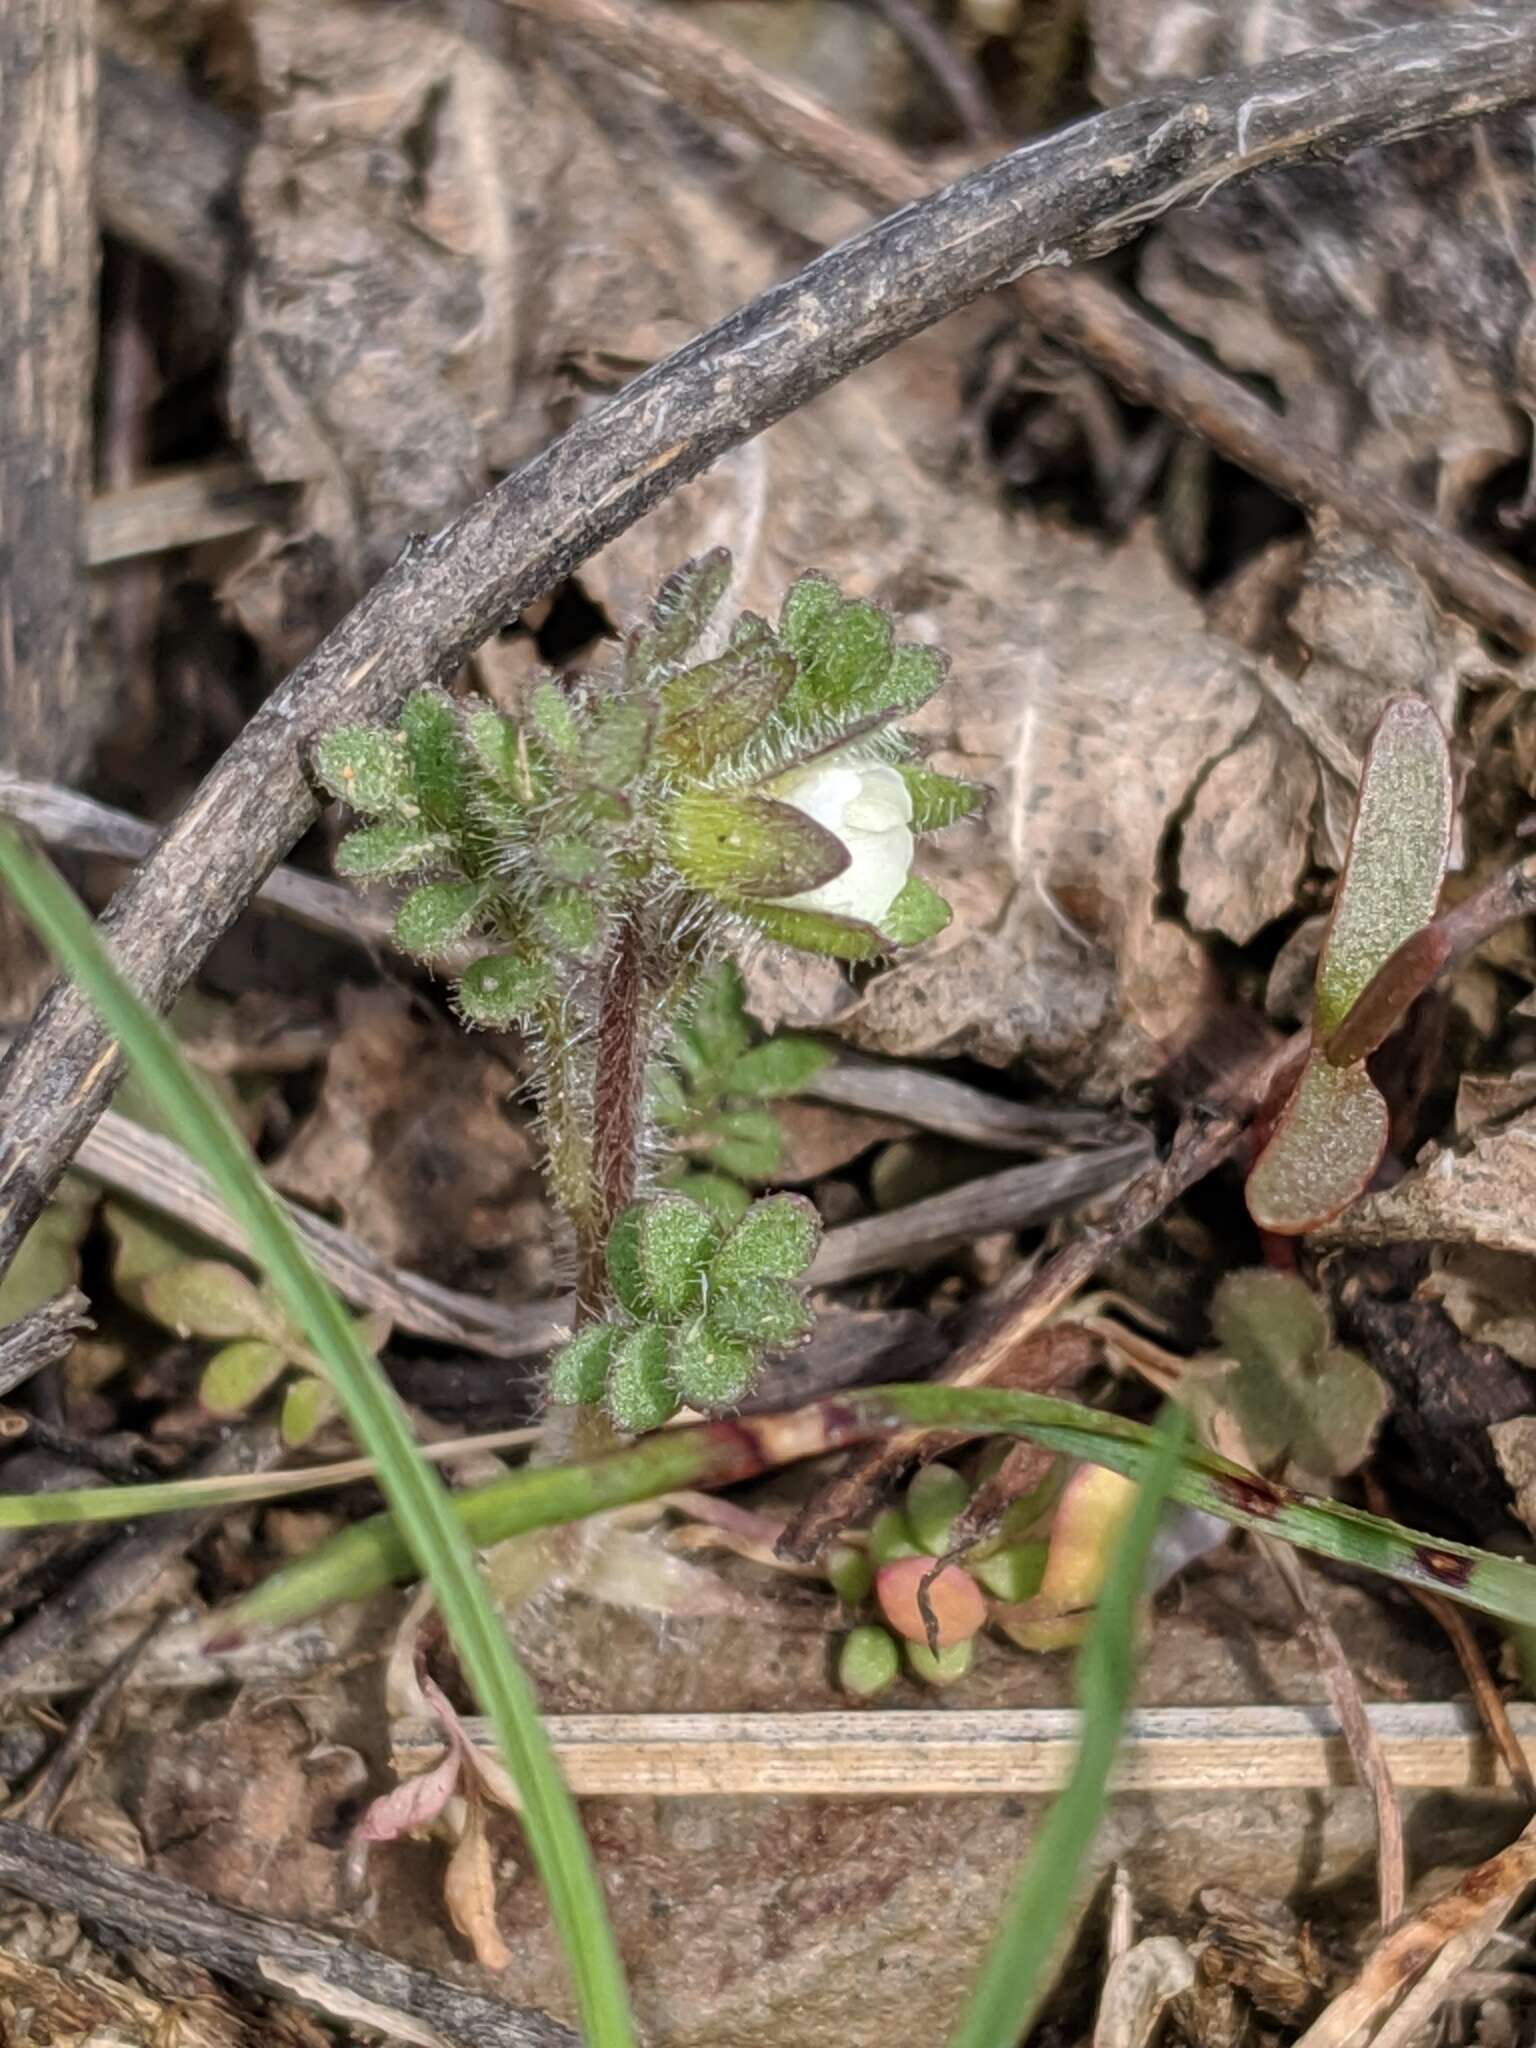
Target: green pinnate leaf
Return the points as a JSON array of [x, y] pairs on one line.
[[939, 800], [737, 844], [640, 1393], [308, 1406], [434, 751], [570, 919], [676, 1240], [745, 1142], [918, 913], [365, 766], [578, 1372], [868, 1663], [710, 713], [710, 1368], [379, 851], [684, 606], [497, 745], [1268, 1319], [433, 918], [779, 1066], [916, 674], [553, 717], [207, 1298], [935, 1496], [1397, 855], [1325, 1147], [726, 1199], [844, 663], [813, 931], [776, 1239], [626, 1274], [715, 1029], [236, 1377], [502, 989], [763, 1311]]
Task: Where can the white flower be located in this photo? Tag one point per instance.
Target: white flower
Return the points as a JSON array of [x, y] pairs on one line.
[[868, 807]]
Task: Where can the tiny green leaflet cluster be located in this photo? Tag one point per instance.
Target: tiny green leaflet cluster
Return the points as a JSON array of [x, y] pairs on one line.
[[157, 1270], [648, 792], [698, 1304], [1299, 1398], [710, 1097]]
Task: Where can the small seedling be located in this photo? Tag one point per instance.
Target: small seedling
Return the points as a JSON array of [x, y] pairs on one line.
[[583, 866], [1331, 1132]]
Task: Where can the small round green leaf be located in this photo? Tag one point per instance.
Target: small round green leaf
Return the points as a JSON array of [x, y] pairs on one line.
[[726, 1199], [570, 918], [762, 1310], [890, 1538], [777, 1239], [935, 1496], [308, 1406], [779, 1066], [435, 917], [1269, 1319], [236, 1377], [710, 1369], [502, 989], [206, 1298], [677, 1239], [943, 1669], [640, 1393], [578, 1372], [868, 1662], [626, 1275], [1012, 1574], [379, 851], [364, 765], [849, 1573]]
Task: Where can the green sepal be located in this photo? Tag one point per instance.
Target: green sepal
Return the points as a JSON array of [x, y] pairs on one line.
[[745, 1142], [726, 1199], [675, 1241], [779, 1066], [737, 844], [237, 1376], [710, 1368], [571, 920], [435, 917], [684, 606], [578, 1372], [308, 1406], [918, 913], [813, 931], [502, 989], [378, 851], [365, 766], [939, 800], [434, 751], [763, 1311], [640, 1394], [712, 712], [776, 1239]]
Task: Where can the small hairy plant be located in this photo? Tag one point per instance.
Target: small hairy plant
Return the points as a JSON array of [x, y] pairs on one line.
[[580, 867]]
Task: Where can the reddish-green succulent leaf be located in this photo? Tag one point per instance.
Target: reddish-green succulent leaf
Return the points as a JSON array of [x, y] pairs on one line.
[[207, 1298], [1396, 985], [237, 1376], [1323, 1151]]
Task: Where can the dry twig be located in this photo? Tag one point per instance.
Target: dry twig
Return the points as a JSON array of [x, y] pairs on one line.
[[1071, 195], [41, 1338]]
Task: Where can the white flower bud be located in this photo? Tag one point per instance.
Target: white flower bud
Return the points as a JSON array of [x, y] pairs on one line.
[[869, 808]]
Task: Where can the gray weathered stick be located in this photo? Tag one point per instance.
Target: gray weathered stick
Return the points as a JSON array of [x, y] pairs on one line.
[[42, 1338], [1074, 194], [274, 1957]]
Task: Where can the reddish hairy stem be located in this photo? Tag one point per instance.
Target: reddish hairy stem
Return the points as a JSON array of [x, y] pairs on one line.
[[618, 1099]]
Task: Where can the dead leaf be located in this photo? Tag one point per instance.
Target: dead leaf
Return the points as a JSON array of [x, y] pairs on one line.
[[413, 1803], [469, 1889]]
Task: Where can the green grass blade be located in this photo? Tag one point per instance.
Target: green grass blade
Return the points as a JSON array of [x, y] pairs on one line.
[[371, 1554], [417, 1499], [1017, 1971]]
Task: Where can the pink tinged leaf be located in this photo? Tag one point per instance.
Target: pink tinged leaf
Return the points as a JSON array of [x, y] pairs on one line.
[[1391, 992], [415, 1803], [1323, 1152], [1093, 1508], [491, 1775], [952, 1596], [1397, 855]]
